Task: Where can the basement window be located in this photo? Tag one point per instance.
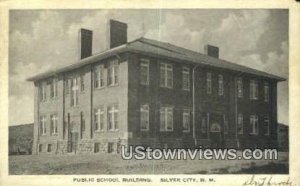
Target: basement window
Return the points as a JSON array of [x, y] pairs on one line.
[[49, 148], [97, 147], [40, 147], [110, 147]]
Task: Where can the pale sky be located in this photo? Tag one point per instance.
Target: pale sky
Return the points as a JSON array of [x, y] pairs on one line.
[[46, 39]]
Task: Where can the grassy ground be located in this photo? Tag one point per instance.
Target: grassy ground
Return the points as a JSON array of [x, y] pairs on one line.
[[113, 164]]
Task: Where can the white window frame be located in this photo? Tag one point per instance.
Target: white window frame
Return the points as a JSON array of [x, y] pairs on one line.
[[254, 124], [208, 82], [99, 77], [144, 64], [113, 73], [267, 121], [113, 110], [74, 92], [53, 88], [82, 83], [99, 116], [165, 111], [186, 78], [53, 124], [165, 70], [186, 113], [144, 117], [266, 92], [253, 90], [240, 87], [43, 125], [226, 124], [221, 85], [240, 122], [43, 91]]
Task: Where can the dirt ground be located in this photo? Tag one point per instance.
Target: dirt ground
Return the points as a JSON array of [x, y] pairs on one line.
[[102, 163]]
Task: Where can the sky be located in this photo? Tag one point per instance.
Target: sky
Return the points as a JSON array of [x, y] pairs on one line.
[[40, 40]]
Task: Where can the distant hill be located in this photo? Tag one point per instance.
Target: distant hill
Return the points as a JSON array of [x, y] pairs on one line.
[[20, 139]]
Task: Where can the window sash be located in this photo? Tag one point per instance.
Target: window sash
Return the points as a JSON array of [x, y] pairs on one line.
[[186, 78], [43, 128], [186, 120], [240, 124], [267, 93], [166, 75], [254, 124], [144, 118], [267, 126], [240, 87], [82, 83], [99, 119], [166, 119], [53, 120], [144, 72], [253, 89], [221, 85], [113, 114], [208, 83], [113, 72], [99, 78]]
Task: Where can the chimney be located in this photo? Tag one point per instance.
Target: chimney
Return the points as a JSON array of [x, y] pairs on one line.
[[212, 51], [117, 33], [86, 42]]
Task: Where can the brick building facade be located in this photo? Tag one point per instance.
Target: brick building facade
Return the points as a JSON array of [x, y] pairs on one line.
[[151, 93]]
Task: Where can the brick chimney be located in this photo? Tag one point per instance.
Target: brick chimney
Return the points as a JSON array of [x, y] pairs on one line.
[[86, 43], [117, 33], [212, 51]]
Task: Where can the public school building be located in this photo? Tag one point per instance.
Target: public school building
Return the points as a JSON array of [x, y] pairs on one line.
[[151, 93]]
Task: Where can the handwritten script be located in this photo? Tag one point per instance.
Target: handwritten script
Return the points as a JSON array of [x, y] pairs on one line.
[[267, 181]]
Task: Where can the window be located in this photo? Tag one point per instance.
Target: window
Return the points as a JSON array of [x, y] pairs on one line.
[[144, 71], [43, 128], [254, 124], [113, 117], [186, 120], [225, 120], [82, 123], [267, 126], [240, 123], [53, 124], [99, 77], [110, 147], [166, 119], [253, 89], [99, 119], [166, 75], [43, 91], [53, 88], [49, 147], [240, 87], [266, 92], [40, 147], [113, 72], [67, 86], [221, 85], [203, 125], [208, 83], [144, 117], [82, 83], [74, 92], [186, 78], [97, 147]]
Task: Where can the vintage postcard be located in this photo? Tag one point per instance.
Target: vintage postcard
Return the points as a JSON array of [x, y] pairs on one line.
[[136, 93]]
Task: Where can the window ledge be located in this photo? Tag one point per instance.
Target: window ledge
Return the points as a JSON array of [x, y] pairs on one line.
[[254, 134]]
